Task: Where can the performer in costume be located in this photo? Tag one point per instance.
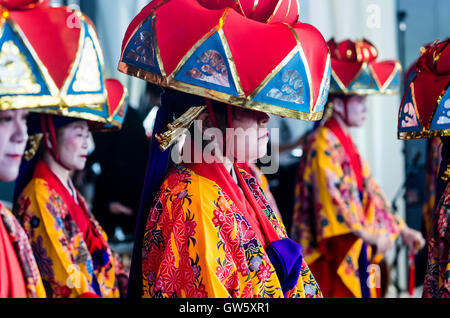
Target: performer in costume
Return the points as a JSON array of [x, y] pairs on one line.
[[70, 247], [205, 227], [433, 162], [424, 113], [434, 150], [19, 273], [341, 216]]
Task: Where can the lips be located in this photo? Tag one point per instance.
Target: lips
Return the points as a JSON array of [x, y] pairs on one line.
[[15, 156], [266, 135]]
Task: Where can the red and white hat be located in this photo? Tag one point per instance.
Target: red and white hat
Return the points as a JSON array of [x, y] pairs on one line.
[[251, 54], [51, 62], [356, 71], [425, 108]]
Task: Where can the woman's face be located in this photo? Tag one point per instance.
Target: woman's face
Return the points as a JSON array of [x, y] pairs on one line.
[[251, 134], [73, 145], [356, 110], [13, 141]]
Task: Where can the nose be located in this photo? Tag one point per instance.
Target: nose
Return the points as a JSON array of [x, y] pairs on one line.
[[20, 134], [364, 109], [85, 144]]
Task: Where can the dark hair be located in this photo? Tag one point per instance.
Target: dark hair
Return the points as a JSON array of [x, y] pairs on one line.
[[181, 102], [153, 89]]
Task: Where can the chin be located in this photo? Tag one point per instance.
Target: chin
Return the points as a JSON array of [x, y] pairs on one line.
[[9, 176], [357, 124], [262, 147], [80, 167], [76, 166]]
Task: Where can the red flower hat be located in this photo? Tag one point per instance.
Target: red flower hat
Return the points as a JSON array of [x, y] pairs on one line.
[[262, 11], [244, 53], [425, 107], [51, 61], [355, 70]]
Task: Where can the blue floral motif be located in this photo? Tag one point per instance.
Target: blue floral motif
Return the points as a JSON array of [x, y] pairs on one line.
[[44, 262]]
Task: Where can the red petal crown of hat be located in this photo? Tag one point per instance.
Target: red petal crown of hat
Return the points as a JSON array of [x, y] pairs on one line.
[[51, 62], [425, 108], [355, 70], [252, 54]]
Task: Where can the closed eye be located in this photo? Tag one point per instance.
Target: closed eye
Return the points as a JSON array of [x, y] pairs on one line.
[[6, 119]]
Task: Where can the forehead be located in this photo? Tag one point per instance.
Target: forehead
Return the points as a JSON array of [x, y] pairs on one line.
[[81, 124], [244, 114], [13, 112], [357, 99]]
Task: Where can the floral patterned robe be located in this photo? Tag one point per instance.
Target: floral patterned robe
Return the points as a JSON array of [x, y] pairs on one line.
[[197, 244], [329, 208], [437, 277], [432, 172], [21, 245], [64, 260], [264, 183]]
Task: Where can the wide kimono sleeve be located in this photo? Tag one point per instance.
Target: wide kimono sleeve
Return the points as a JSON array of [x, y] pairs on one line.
[[182, 252], [339, 210], [58, 249], [383, 220], [22, 247]]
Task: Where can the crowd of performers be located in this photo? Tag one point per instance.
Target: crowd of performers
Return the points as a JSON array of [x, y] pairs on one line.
[[208, 225]]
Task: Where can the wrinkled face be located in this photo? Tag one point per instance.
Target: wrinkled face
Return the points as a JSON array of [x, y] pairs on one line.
[[73, 145], [251, 134], [356, 111], [13, 141]]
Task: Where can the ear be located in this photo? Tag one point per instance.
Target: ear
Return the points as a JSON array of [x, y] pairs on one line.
[[207, 128], [48, 142], [205, 120], [338, 106]]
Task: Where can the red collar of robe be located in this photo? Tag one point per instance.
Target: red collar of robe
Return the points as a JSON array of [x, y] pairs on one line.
[[244, 200], [78, 212], [12, 283], [349, 148]]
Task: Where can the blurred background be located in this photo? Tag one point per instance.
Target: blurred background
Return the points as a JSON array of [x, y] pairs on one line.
[[398, 28]]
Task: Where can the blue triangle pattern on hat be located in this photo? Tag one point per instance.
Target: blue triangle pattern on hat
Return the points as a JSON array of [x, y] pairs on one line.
[[441, 119], [394, 85], [289, 88], [409, 119], [16, 60], [208, 67], [141, 50], [88, 77], [334, 86], [364, 81], [323, 98]]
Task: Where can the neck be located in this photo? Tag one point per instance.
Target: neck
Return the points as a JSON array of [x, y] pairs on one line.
[[62, 173], [197, 152], [228, 165], [342, 123]]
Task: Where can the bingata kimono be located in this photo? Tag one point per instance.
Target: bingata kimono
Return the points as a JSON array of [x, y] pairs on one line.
[[437, 276], [19, 273], [70, 247], [332, 201], [199, 244]]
